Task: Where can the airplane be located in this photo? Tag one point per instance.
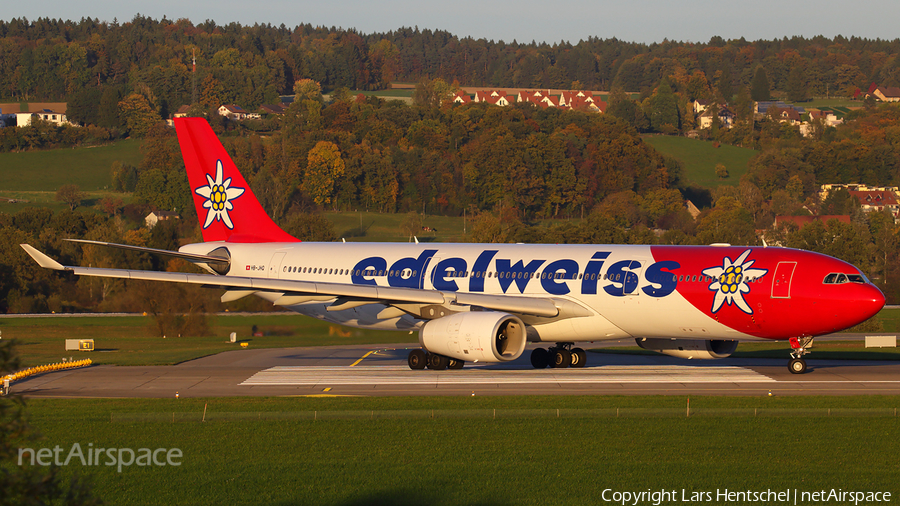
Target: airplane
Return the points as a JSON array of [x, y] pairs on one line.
[[481, 303]]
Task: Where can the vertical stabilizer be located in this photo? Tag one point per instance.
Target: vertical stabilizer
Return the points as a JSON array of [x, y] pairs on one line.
[[226, 207]]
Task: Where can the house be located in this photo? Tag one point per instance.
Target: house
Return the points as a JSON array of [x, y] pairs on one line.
[[762, 108], [587, 104], [726, 117], [884, 94], [233, 112], [877, 200], [802, 221], [58, 118], [157, 216], [700, 105], [784, 115], [268, 109], [182, 111], [494, 97], [827, 118], [461, 97], [531, 95]]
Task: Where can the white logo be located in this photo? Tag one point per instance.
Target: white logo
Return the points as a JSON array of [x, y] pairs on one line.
[[730, 281], [218, 195]]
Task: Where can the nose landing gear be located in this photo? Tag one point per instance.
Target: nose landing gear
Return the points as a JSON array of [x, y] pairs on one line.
[[800, 347]]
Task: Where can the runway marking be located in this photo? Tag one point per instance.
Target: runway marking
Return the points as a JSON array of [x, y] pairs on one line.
[[361, 358], [402, 375]]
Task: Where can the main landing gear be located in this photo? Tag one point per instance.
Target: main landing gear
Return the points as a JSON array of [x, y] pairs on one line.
[[559, 356], [800, 347], [420, 359]]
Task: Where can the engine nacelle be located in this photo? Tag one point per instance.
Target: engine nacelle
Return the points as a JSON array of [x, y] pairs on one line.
[[482, 336], [689, 348]]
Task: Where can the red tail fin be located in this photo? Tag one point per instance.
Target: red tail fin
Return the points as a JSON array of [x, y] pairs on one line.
[[227, 209]]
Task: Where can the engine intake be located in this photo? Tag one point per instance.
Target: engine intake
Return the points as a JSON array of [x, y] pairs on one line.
[[703, 349], [483, 336]]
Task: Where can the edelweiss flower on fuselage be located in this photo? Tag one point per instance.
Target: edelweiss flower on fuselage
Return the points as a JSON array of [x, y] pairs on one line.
[[730, 281]]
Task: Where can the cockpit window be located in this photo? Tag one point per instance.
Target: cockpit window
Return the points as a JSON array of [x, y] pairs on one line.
[[837, 278]]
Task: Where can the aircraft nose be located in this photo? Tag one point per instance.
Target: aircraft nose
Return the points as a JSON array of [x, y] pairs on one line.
[[872, 302]]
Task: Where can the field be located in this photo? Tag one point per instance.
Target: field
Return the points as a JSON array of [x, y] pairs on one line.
[[130, 340], [700, 159], [34, 176], [476, 450]]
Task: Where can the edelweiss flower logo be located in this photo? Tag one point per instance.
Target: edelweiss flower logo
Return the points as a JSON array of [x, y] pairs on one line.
[[218, 195], [730, 281]]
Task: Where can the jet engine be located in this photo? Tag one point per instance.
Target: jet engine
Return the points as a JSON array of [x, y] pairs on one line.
[[689, 348], [476, 336]]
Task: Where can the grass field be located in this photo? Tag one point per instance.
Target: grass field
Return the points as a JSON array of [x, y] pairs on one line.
[[273, 451], [700, 158], [46, 171], [130, 340], [383, 227]]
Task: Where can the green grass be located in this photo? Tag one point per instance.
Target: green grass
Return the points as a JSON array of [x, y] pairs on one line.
[[41, 171], [384, 227], [464, 456], [399, 93], [48, 199], [130, 340], [700, 159]]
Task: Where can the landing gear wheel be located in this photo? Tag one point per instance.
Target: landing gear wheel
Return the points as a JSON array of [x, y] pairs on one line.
[[540, 359], [455, 364], [797, 365], [437, 362], [579, 357], [416, 360], [561, 358]]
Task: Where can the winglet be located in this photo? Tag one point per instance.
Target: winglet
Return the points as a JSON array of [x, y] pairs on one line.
[[42, 259]]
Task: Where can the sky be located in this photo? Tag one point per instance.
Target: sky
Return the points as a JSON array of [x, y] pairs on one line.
[[548, 21]]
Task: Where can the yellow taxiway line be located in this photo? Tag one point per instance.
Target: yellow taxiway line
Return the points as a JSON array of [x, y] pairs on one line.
[[361, 358]]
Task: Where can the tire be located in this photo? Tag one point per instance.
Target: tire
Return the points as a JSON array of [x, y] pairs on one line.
[[437, 362], [579, 357], [417, 360], [561, 358], [455, 364], [540, 359], [797, 366]]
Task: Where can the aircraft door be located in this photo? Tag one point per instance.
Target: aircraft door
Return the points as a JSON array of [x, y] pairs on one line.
[[275, 264], [625, 281], [781, 282]]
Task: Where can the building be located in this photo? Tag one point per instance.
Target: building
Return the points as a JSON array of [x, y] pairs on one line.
[[157, 216], [24, 119], [233, 112], [726, 117], [493, 97]]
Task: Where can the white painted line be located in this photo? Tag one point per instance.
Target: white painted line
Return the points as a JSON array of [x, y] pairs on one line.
[[402, 375]]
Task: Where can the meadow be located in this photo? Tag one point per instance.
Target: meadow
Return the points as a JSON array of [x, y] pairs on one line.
[[700, 159], [475, 450]]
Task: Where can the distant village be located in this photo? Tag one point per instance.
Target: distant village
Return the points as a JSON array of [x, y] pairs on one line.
[[706, 112]]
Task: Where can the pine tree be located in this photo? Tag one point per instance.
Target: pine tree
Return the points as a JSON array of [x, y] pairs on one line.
[[759, 87]]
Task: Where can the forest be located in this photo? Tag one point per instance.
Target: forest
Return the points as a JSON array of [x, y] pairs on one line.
[[522, 173]]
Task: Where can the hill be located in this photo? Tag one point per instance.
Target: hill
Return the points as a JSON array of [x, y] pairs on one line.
[[700, 158]]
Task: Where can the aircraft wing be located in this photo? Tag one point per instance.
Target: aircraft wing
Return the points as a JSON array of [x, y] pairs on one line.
[[347, 295]]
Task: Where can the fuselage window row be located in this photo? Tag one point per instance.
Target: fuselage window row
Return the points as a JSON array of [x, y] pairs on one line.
[[833, 278]]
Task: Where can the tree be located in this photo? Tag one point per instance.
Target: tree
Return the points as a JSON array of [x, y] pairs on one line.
[[796, 85], [721, 171], [759, 86], [139, 116], [664, 109], [70, 194], [307, 89], [323, 165]]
